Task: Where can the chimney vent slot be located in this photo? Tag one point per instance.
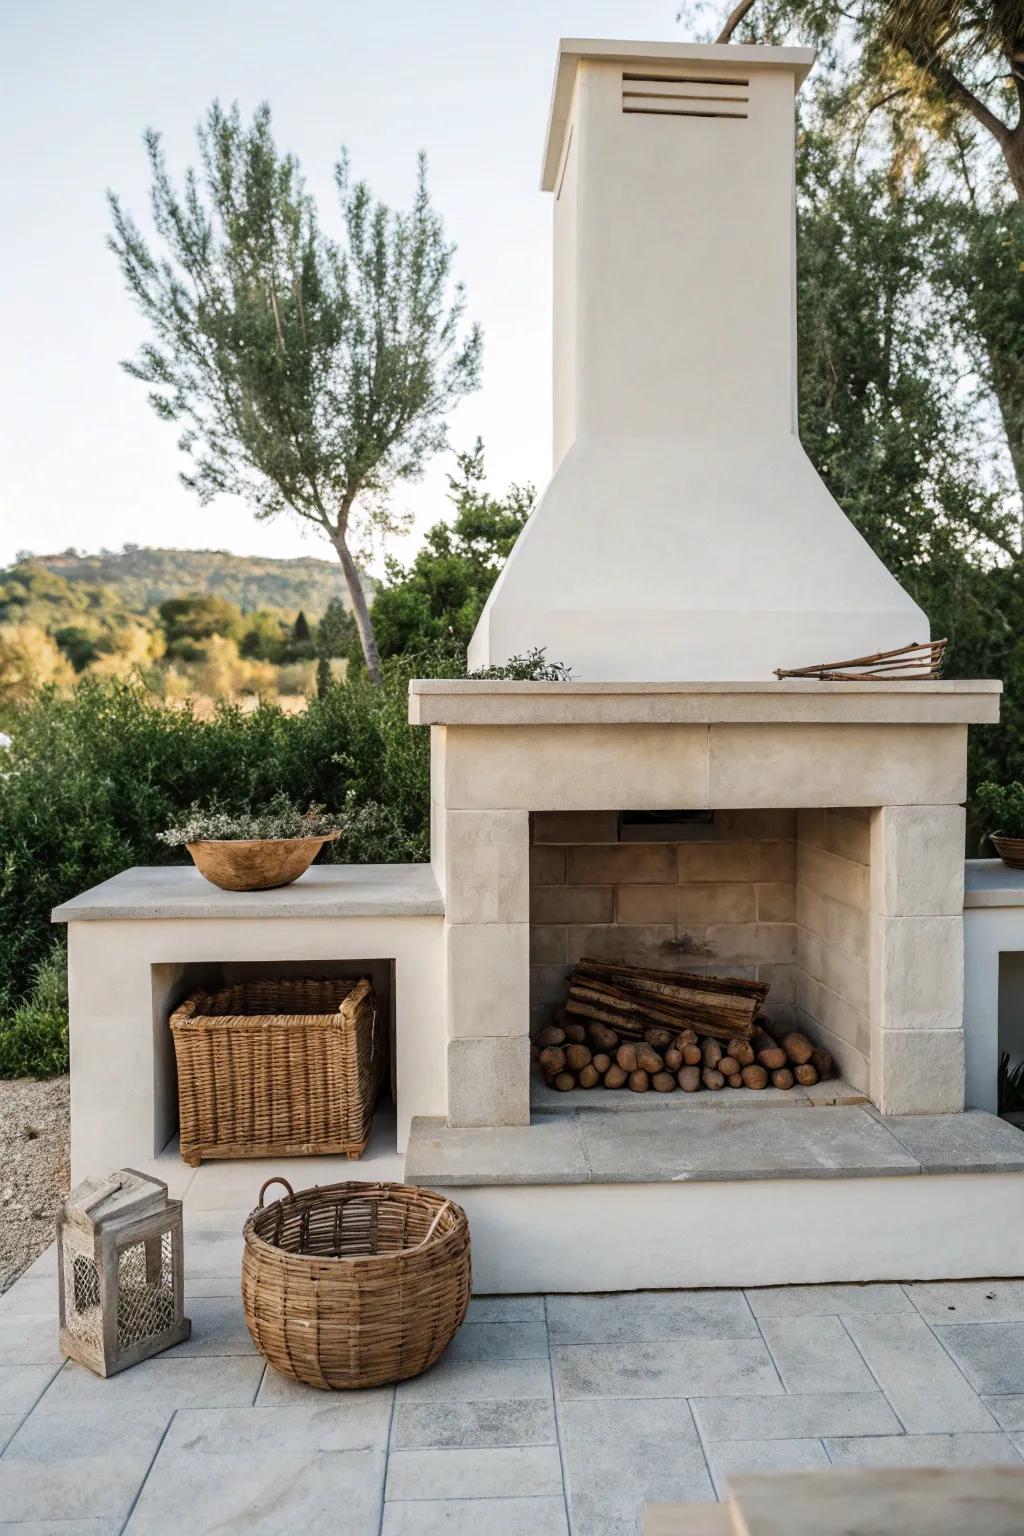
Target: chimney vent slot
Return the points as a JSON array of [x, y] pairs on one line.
[[684, 96]]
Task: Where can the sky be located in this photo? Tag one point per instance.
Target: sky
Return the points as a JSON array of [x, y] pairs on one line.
[[85, 462]]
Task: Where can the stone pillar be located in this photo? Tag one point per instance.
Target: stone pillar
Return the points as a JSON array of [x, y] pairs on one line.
[[487, 916], [917, 959]]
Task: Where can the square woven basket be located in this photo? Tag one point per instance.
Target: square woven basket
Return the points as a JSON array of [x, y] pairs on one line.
[[277, 1069]]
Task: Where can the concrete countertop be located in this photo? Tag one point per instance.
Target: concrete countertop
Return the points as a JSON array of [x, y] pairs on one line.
[[325, 890], [462, 701], [989, 883]]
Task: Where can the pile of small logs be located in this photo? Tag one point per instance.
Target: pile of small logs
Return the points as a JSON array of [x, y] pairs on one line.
[[574, 1055], [626, 1026]]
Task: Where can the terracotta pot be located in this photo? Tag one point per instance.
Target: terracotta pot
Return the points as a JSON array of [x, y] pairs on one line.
[[1009, 849], [260, 865]]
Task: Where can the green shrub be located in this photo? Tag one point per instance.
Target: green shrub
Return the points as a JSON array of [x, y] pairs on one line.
[[1003, 807], [34, 1034], [534, 667], [93, 778]]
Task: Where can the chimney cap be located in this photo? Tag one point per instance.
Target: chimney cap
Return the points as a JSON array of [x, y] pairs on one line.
[[571, 50]]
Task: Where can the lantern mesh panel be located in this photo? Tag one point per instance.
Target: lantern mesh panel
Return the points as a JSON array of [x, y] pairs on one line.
[[145, 1290], [82, 1297]]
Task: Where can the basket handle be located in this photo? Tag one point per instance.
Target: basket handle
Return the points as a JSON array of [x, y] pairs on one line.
[[433, 1226], [276, 1180]]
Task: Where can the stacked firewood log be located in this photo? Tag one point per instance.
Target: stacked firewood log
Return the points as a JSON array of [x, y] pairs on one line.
[[623, 1026]]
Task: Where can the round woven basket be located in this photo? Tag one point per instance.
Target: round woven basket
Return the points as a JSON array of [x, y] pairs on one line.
[[1010, 850], [355, 1285]]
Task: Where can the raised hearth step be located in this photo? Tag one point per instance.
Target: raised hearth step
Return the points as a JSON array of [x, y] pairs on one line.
[[550, 1101], [591, 1147]]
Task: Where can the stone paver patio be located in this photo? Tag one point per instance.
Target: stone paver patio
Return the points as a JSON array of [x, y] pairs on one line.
[[548, 1415]]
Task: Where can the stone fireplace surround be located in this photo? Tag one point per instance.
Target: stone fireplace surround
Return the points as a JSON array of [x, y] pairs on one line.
[[833, 866]]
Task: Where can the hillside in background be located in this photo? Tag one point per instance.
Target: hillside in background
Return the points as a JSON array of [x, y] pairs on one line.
[[142, 578], [190, 623]]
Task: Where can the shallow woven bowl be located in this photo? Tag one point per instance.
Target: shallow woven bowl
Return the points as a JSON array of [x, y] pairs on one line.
[[260, 865], [1010, 850], [355, 1285]]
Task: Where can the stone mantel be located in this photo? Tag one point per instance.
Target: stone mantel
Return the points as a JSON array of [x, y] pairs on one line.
[[795, 701]]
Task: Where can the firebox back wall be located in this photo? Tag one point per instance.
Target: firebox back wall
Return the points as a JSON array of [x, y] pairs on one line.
[[723, 904]]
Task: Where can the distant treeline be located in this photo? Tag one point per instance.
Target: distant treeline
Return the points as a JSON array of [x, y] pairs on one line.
[[156, 619], [143, 578]]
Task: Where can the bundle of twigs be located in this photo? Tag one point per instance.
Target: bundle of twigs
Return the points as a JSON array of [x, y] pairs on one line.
[[632, 998], [907, 664]]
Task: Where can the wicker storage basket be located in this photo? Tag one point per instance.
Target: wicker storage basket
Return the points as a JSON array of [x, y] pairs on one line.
[[355, 1285], [277, 1068]]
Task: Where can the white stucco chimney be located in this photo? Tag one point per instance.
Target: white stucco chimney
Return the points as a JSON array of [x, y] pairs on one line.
[[685, 534]]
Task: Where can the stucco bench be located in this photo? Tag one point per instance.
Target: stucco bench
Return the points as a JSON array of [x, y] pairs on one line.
[[139, 942], [993, 973]]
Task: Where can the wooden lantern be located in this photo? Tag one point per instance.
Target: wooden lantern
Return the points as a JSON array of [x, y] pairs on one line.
[[120, 1263]]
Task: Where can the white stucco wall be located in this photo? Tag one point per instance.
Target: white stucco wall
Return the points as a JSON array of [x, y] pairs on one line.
[[993, 974]]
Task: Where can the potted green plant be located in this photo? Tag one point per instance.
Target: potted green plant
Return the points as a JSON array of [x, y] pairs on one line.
[[257, 850], [1003, 805]]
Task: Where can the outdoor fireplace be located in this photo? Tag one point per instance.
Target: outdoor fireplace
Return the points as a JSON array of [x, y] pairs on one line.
[[850, 906], [676, 804]]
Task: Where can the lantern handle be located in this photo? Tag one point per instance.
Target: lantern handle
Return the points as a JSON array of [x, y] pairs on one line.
[[103, 1191], [277, 1180]]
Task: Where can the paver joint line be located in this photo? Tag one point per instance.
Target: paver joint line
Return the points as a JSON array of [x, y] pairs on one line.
[[558, 1424], [387, 1462], [138, 1492], [867, 1365]]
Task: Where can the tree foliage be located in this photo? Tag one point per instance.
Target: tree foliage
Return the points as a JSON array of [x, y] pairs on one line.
[[911, 309], [438, 598], [54, 626], [883, 416], [306, 373], [139, 578], [931, 66]]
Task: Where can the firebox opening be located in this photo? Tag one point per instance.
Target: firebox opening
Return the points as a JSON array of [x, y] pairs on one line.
[[774, 897]]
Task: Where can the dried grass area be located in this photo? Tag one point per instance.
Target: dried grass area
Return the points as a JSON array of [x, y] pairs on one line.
[[35, 1125]]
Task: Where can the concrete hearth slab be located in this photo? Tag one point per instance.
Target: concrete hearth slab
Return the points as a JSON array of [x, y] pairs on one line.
[[550, 1151], [974, 1142], [741, 1144], [580, 1147], [549, 1101]]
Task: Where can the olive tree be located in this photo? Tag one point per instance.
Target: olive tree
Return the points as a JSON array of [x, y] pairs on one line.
[[307, 373]]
